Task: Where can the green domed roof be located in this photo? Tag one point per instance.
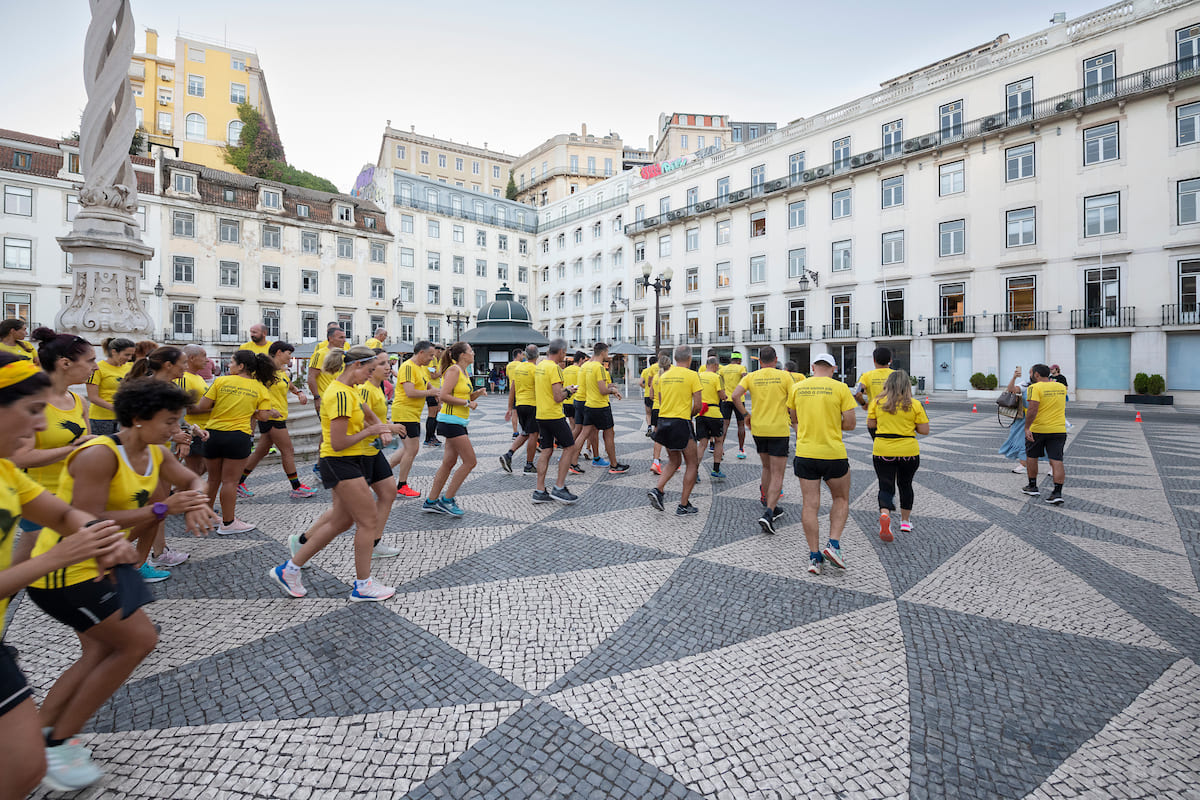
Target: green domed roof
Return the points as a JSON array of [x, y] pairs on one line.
[[504, 308]]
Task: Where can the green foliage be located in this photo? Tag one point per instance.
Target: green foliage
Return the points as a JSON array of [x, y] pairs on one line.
[[978, 381], [138, 145], [1141, 383], [510, 191], [992, 381], [1156, 384], [259, 152]]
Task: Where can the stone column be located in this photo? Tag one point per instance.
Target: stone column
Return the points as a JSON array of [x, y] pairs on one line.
[[105, 242]]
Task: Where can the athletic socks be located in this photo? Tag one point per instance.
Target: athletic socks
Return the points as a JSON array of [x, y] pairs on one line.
[[835, 543], [290, 566], [402, 484], [1058, 488], [54, 742], [295, 481], [245, 474]]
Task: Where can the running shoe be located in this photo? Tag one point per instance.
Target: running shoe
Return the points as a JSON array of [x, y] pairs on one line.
[[530, 469], [407, 491], [712, 447], [716, 474], [834, 556], [515, 434], [273, 451], [767, 522], [288, 581], [434, 443], [242, 491], [656, 498], [302, 492], [1031, 489], [433, 507], [368, 590], [814, 564], [316, 469], [385, 551], [683, 511], [656, 467], [906, 527], [600, 462], [506, 463], [585, 455], [741, 452], [778, 512], [151, 575], [541, 497], [237, 526], [1055, 498], [69, 768], [649, 431], [451, 506], [575, 469], [617, 469], [294, 546], [169, 558], [563, 495], [1018, 470], [885, 527]]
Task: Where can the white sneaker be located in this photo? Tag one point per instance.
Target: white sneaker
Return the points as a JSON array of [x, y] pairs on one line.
[[237, 526], [385, 551], [169, 558], [370, 590], [69, 768], [288, 580]]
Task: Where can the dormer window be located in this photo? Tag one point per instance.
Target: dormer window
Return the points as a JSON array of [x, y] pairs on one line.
[[184, 183], [345, 213], [229, 195], [272, 199], [301, 210], [22, 160], [369, 222]]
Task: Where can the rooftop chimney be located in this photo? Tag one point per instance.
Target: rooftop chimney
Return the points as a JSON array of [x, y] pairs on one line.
[[583, 129]]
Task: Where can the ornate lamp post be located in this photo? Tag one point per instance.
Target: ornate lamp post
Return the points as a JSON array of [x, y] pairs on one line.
[[660, 284], [457, 319]]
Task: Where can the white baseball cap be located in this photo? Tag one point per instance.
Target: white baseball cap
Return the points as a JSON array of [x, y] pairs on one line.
[[825, 358]]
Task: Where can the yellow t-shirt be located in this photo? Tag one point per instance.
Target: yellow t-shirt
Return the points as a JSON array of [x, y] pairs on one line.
[[571, 377], [405, 408], [341, 400], [654, 376], [435, 374], [647, 377], [264, 348], [16, 489], [374, 343], [769, 389], [22, 348], [675, 389], [1051, 397], [546, 374], [819, 403], [901, 423], [235, 399], [523, 379], [193, 383], [873, 381], [591, 374], [509, 370], [108, 378], [278, 393], [127, 491], [710, 385], [732, 374], [796, 377], [374, 399], [320, 350], [462, 390], [62, 428]]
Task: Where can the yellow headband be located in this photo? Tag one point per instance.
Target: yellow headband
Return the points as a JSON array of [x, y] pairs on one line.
[[17, 371]]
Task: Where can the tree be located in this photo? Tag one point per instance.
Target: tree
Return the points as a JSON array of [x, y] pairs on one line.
[[510, 191], [259, 153], [138, 145]]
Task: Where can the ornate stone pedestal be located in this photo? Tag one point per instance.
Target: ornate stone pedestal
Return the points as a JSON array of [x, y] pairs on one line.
[[106, 262]]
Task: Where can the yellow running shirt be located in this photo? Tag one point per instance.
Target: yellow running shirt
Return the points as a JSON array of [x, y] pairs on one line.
[[108, 378], [235, 399], [571, 378], [195, 385], [16, 489], [278, 393], [405, 408], [509, 371], [127, 491], [22, 348], [769, 389], [546, 374], [374, 399], [62, 428], [732, 373], [675, 389], [462, 390], [341, 400], [1051, 397], [710, 385], [522, 377], [648, 375], [819, 403], [899, 423], [873, 381], [264, 348], [591, 374]]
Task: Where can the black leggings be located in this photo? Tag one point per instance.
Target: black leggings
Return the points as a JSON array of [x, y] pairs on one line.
[[893, 471], [430, 427]]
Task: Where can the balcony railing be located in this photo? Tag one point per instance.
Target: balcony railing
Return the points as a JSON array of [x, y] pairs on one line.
[[720, 338], [795, 334], [551, 224], [756, 335], [893, 327], [941, 326], [1021, 321], [642, 341], [463, 213], [1181, 314], [691, 338], [848, 331], [1101, 318]]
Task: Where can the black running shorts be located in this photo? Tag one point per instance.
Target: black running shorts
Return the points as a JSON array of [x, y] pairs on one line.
[[81, 605], [772, 445], [451, 430], [527, 419], [553, 432], [599, 418], [580, 413], [709, 427], [820, 469], [232, 445], [13, 688], [674, 433], [1048, 445], [267, 425]]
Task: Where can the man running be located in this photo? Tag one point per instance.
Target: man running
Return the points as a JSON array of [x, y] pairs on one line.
[[522, 403], [710, 427], [732, 374], [518, 356], [664, 364], [377, 341], [552, 425], [769, 388], [678, 392], [1045, 431], [821, 409], [412, 391], [194, 384], [597, 412], [647, 378], [870, 383]]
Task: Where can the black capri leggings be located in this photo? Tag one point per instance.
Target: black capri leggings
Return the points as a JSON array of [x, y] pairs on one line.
[[898, 470]]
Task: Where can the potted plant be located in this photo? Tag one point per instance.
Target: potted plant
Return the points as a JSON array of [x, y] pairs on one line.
[[1149, 389]]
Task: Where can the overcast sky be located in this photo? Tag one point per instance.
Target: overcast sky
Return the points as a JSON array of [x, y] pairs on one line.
[[513, 74]]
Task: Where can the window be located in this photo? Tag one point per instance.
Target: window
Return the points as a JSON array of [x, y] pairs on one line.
[[692, 239], [722, 189], [795, 165], [523, 272], [1102, 295], [577, 266], [271, 236], [308, 281], [164, 121], [758, 224], [796, 316], [618, 259], [442, 160], [270, 278], [270, 317], [1021, 227], [597, 263], [758, 176], [237, 63], [950, 117], [196, 54], [481, 238], [893, 248], [1021, 294], [796, 214], [841, 153], [18, 253], [797, 262], [560, 301], [184, 183], [458, 233], [72, 207], [19, 200], [230, 231], [842, 256], [1100, 144], [458, 265], [664, 245], [577, 298], [1187, 124], [502, 270], [693, 197], [196, 129], [892, 192], [841, 203], [183, 223], [683, 141], [272, 199], [1019, 100], [1102, 214], [523, 246], [758, 269], [183, 269], [345, 213], [639, 252], [480, 268], [433, 261], [952, 238], [433, 293], [692, 280], [345, 285], [841, 314], [424, 156], [434, 229], [1188, 192], [723, 321], [502, 240], [723, 231], [893, 136], [309, 243], [1099, 76], [723, 276], [346, 322], [664, 205], [182, 319], [952, 303], [378, 252], [951, 178], [237, 93], [735, 135], [1189, 276], [434, 330], [892, 311], [230, 274], [1018, 162], [195, 85]]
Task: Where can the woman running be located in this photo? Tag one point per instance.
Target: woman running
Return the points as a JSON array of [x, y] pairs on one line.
[[351, 473], [24, 391], [103, 383], [896, 420], [12, 339], [457, 403], [235, 400], [375, 401], [112, 476], [274, 432]]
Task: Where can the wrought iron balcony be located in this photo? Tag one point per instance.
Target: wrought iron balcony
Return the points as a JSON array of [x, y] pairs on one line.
[[847, 331], [508, 221], [1101, 318], [1015, 321], [691, 338], [756, 335], [798, 333], [1181, 314], [893, 327], [941, 326], [720, 338]]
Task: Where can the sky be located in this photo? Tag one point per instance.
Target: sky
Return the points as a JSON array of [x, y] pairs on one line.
[[513, 74]]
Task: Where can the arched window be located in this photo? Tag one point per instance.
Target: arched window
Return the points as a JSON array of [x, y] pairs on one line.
[[196, 129], [235, 131]]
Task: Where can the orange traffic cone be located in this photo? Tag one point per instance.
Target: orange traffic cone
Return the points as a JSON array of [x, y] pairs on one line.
[[974, 409], [1138, 417], [926, 399]]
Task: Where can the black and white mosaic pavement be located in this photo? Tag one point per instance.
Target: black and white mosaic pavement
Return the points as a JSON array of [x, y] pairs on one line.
[[1004, 649]]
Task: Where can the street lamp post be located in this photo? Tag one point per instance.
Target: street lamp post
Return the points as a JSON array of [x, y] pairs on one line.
[[660, 284], [159, 290], [457, 319]]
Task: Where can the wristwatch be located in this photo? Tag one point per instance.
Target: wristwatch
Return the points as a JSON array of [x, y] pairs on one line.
[[160, 511]]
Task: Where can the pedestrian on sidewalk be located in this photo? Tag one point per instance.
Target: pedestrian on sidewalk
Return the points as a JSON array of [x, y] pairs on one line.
[[1045, 431]]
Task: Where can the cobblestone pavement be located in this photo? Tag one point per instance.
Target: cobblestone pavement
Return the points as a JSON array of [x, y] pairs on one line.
[[1004, 649]]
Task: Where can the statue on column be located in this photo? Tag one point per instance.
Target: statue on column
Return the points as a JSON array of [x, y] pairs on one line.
[[105, 243]]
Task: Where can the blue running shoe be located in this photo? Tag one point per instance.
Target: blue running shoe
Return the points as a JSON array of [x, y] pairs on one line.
[[151, 575], [600, 462], [451, 506], [433, 507], [717, 474]]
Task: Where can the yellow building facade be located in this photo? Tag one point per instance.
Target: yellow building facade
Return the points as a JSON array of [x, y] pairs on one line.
[[463, 166], [565, 164]]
